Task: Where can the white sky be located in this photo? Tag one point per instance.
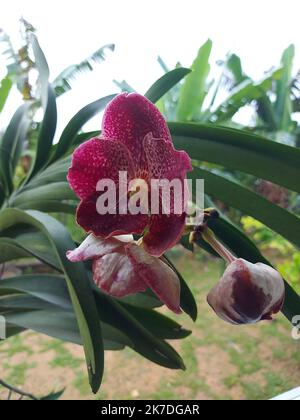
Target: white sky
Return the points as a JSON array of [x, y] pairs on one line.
[[257, 30]]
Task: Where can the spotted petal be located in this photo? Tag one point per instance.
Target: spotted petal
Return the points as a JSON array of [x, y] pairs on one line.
[[164, 232], [108, 225], [164, 161], [95, 160], [129, 118]]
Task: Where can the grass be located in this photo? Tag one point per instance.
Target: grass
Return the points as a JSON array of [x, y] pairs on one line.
[[17, 372], [223, 361]]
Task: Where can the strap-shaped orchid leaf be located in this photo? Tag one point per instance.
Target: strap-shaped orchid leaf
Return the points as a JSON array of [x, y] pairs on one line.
[[78, 285], [237, 196], [48, 100], [165, 83], [76, 123], [240, 150]]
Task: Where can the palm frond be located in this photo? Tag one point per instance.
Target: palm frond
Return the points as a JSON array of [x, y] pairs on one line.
[[162, 64], [7, 50], [124, 86], [295, 89], [232, 74], [62, 82]]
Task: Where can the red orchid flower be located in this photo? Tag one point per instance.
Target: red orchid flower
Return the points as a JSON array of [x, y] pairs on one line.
[[121, 268], [135, 138]]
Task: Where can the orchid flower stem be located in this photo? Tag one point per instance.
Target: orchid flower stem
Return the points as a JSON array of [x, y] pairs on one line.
[[212, 240]]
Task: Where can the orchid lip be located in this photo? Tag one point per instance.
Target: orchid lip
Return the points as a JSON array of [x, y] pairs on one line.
[[121, 268]]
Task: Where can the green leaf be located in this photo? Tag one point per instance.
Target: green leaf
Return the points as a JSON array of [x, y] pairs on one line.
[[57, 172], [81, 138], [243, 247], [165, 83], [17, 303], [243, 94], [77, 281], [46, 134], [193, 91], [48, 127], [49, 206], [185, 242], [146, 300], [242, 198], [49, 192], [187, 300], [10, 250], [10, 146], [42, 67], [234, 66], [265, 111], [158, 351], [21, 243], [2, 192], [140, 331], [77, 122], [159, 325], [54, 396], [54, 322], [49, 288], [283, 105], [5, 87], [54, 191], [12, 330], [240, 150]]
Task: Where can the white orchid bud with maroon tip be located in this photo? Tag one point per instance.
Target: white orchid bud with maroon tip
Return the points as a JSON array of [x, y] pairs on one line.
[[247, 293]]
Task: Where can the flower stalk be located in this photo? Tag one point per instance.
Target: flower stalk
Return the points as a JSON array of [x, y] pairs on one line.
[[212, 240], [204, 232]]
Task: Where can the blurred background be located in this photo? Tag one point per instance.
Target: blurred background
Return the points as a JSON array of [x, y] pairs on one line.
[[258, 32]]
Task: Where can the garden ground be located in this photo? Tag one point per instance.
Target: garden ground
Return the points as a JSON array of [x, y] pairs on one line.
[[222, 361]]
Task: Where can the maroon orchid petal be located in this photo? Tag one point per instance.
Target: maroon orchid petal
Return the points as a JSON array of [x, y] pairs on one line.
[[108, 225], [164, 232], [129, 118], [95, 160], [158, 276], [115, 274], [164, 161]]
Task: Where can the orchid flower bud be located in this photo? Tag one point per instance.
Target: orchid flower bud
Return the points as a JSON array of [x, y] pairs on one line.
[[247, 293]]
